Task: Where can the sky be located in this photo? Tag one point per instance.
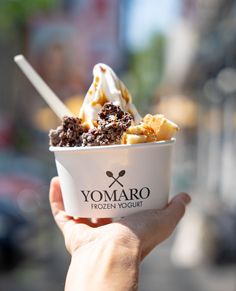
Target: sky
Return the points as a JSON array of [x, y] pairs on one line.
[[149, 16]]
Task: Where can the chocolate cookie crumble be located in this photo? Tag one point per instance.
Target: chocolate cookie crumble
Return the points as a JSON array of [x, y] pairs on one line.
[[68, 134], [112, 122]]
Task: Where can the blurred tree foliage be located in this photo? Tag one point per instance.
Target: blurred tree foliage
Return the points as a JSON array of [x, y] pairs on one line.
[[15, 13], [147, 67]]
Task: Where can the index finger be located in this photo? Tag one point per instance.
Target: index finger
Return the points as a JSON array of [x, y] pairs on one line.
[[57, 207], [56, 203], [55, 196]]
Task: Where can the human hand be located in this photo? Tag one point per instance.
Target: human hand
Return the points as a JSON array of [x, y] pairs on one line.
[[110, 252]]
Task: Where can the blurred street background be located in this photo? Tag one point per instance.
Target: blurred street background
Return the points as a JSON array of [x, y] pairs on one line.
[[178, 58]]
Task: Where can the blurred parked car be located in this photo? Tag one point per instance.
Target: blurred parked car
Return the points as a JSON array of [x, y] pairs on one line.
[[19, 200]]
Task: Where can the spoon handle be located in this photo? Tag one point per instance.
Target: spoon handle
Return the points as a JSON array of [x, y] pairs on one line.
[[46, 93]]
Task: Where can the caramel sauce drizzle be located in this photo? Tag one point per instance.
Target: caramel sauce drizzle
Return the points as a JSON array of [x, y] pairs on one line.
[[101, 101]]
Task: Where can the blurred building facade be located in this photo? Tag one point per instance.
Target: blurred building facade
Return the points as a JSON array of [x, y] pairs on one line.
[[63, 45], [212, 76], [201, 65], [82, 34]]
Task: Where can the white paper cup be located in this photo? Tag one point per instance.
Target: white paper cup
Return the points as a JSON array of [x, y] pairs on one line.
[[115, 180]]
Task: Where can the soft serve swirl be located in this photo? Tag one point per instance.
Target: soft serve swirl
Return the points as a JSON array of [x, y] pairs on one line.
[[106, 87]]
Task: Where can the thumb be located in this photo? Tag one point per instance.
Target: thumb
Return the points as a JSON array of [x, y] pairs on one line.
[[175, 210], [164, 221], [154, 226]]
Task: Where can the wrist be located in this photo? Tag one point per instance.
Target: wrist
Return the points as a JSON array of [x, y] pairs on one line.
[[105, 265]]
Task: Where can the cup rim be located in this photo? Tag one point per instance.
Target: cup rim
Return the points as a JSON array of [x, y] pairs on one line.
[[113, 147]]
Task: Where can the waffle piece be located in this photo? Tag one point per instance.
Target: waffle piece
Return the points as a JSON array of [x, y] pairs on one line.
[[163, 128]]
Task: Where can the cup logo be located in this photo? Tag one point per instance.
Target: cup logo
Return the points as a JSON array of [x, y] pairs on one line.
[[115, 180], [117, 197]]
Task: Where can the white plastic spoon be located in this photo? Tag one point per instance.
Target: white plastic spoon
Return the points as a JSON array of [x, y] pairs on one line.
[[46, 93]]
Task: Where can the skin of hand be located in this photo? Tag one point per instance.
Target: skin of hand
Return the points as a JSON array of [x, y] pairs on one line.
[[106, 255]]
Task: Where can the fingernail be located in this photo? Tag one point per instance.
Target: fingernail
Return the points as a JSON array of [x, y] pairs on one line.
[[186, 198]]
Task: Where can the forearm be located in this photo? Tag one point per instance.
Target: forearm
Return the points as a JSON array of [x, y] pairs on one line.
[[105, 267]]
